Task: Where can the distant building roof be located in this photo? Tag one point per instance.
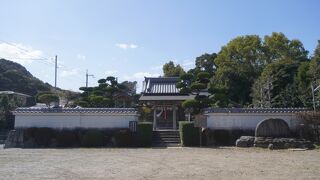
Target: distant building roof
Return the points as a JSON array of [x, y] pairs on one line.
[[13, 93], [255, 110], [76, 110], [162, 88]]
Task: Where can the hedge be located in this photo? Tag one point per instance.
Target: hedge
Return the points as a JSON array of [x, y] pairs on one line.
[[43, 136], [225, 137], [67, 138], [48, 137], [93, 138], [123, 138], [188, 133], [144, 134]]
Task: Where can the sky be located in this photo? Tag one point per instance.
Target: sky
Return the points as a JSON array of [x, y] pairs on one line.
[[132, 39]]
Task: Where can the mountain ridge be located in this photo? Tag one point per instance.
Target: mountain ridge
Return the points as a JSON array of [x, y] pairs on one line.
[[15, 77]]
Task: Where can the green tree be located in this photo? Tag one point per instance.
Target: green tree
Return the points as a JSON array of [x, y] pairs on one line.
[[108, 93], [48, 99], [241, 62], [279, 47], [238, 63], [195, 85], [172, 70], [276, 86], [7, 105], [206, 63], [314, 69], [309, 73]]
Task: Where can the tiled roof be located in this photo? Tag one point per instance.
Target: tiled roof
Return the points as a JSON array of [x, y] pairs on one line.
[[166, 98], [161, 85], [77, 110], [255, 110]]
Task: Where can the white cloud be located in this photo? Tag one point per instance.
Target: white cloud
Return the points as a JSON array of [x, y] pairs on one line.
[[139, 77], [126, 46], [111, 72], [67, 73], [81, 57], [187, 64], [19, 53], [157, 67]]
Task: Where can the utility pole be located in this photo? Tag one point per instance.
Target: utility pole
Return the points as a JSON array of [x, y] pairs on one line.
[[55, 71], [87, 75]]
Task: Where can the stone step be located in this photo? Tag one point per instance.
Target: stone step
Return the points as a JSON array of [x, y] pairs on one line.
[[169, 132], [169, 142], [169, 138], [167, 145], [172, 141], [166, 138], [3, 137], [14, 139]]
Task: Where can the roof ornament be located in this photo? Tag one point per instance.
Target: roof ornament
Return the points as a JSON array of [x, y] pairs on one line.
[[148, 86]]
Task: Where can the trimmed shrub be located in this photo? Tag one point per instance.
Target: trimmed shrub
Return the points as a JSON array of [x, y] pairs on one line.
[[144, 134], [92, 138], [29, 133], [123, 138], [190, 103], [226, 137], [44, 136], [67, 138], [188, 133]]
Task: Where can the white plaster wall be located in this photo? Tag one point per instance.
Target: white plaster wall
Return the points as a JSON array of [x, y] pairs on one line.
[[246, 121], [53, 120], [112, 121]]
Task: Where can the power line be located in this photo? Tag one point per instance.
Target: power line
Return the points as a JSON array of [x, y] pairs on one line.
[[45, 60], [40, 57], [22, 49], [35, 59]]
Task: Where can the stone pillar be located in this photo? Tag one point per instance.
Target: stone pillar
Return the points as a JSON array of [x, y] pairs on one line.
[[174, 108], [154, 118]]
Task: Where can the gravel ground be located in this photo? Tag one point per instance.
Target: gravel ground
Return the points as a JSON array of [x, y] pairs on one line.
[[157, 163]]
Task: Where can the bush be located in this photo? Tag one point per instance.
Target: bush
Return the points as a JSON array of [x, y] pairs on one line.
[[92, 138], [144, 134], [222, 137], [188, 133], [226, 137], [67, 138], [191, 103], [123, 138], [29, 133], [44, 136]]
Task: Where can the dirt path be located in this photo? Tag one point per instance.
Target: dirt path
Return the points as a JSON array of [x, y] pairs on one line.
[[172, 163]]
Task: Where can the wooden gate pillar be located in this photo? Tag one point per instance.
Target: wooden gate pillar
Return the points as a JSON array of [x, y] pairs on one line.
[[174, 117], [154, 117]]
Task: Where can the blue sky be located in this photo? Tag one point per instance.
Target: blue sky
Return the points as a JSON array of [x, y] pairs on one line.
[[132, 39]]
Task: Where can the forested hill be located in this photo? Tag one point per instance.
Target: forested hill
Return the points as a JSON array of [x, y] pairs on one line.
[[15, 77]]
